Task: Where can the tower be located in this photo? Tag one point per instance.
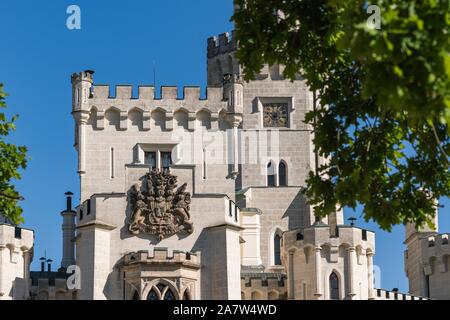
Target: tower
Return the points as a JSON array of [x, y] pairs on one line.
[[68, 233], [16, 253], [427, 260]]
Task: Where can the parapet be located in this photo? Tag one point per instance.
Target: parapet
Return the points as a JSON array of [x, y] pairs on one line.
[[382, 294], [188, 94], [320, 235], [162, 255], [86, 75], [224, 44], [435, 246]]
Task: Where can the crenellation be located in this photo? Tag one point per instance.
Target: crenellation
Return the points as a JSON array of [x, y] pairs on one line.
[[160, 254], [169, 93], [146, 92], [169, 101], [101, 91], [214, 94], [191, 94], [124, 92], [221, 45]]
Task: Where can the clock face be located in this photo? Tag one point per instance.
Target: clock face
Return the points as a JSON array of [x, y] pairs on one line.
[[276, 115]]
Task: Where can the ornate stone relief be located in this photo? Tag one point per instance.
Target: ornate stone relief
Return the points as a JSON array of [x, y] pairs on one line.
[[158, 207], [275, 115]]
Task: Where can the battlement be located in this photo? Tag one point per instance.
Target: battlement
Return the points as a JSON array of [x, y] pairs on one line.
[[382, 294], [221, 45], [86, 75], [263, 286], [162, 255], [187, 94], [435, 246], [319, 235], [440, 239], [264, 279]]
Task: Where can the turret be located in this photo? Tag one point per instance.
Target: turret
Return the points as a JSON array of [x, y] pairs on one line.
[[68, 233], [81, 92], [221, 59], [81, 89]]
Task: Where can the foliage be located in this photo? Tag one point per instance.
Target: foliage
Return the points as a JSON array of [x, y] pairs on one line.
[[12, 159], [384, 97]]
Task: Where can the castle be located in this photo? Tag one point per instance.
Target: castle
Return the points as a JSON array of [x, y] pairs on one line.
[[185, 197]]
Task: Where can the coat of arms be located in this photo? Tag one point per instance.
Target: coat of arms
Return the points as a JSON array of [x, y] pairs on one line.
[[158, 207]]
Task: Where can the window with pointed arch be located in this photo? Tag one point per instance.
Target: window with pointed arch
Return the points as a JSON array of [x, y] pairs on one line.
[[163, 291], [282, 174], [277, 250], [169, 295], [271, 176], [186, 295], [135, 296], [334, 286], [152, 295]]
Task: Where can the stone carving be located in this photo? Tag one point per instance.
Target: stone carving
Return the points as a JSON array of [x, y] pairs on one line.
[[158, 207], [275, 115]]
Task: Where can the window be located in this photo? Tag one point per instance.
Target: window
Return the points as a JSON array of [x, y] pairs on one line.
[[18, 233], [282, 174], [277, 250], [270, 175], [334, 286], [88, 206], [112, 163], [186, 295], [364, 235], [152, 295], [166, 161], [169, 295], [156, 157], [150, 159]]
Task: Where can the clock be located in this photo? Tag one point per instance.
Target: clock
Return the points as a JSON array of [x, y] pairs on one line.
[[275, 115]]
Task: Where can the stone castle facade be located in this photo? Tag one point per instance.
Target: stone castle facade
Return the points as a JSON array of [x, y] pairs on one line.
[[191, 197]]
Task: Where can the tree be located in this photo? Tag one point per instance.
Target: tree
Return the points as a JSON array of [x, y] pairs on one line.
[[384, 97], [12, 159]]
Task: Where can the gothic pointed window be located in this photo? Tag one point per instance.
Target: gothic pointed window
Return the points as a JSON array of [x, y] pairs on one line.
[[270, 174], [282, 174], [152, 295], [277, 250], [169, 295], [186, 295], [334, 286], [135, 296]]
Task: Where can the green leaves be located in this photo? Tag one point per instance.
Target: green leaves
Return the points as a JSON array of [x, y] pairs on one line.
[[12, 159], [387, 91]]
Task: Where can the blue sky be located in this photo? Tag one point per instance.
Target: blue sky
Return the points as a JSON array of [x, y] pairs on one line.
[[121, 41]]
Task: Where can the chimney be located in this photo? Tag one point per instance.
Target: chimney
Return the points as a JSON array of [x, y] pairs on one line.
[[69, 200], [68, 233], [42, 259], [49, 265]]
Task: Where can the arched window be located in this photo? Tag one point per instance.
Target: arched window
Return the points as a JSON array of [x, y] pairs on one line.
[[277, 250], [282, 174], [186, 295], [334, 286], [152, 295], [271, 174], [136, 296], [169, 295]]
